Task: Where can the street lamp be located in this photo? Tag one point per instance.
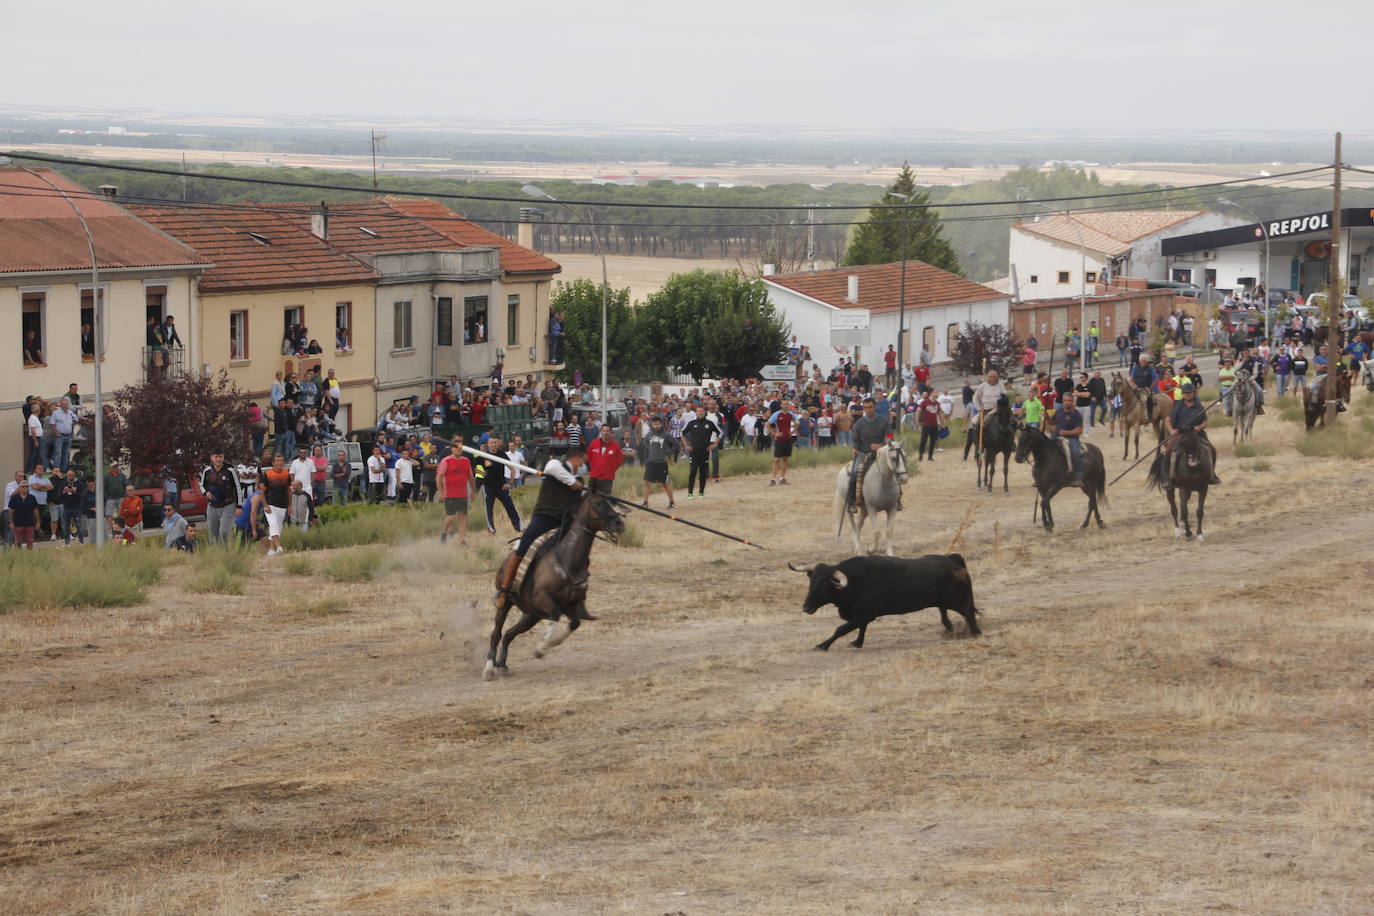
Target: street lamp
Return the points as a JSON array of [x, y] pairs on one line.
[[1264, 274], [1082, 289], [97, 328], [536, 191], [901, 294]]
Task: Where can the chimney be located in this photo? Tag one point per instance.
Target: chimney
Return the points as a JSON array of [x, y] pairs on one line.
[[853, 295], [524, 230], [770, 269], [110, 190], [319, 222]]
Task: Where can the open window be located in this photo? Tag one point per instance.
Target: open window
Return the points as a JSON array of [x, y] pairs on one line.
[[238, 335], [476, 325], [33, 327], [343, 326]]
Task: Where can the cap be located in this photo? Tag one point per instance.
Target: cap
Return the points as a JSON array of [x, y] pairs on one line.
[[1186, 386]]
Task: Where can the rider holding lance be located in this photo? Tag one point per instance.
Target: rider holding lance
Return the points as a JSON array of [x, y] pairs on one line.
[[1144, 379], [559, 495], [1189, 413], [870, 432]]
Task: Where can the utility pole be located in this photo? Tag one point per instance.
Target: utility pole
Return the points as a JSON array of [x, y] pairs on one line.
[[1335, 297], [376, 138], [811, 237]]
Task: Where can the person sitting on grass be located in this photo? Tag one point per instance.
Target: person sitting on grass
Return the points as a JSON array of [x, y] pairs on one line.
[[174, 523], [187, 542], [121, 534]]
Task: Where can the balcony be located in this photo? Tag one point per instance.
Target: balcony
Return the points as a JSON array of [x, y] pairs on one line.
[[163, 362]]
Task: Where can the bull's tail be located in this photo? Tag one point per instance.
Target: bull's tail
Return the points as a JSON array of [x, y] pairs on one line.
[[958, 559]]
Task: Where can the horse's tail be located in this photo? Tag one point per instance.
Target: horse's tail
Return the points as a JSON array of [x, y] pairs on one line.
[[1154, 480]]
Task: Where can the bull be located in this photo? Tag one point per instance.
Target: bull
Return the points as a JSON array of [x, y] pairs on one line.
[[866, 588]]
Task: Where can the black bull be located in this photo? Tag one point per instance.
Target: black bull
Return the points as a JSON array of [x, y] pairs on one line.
[[866, 588]]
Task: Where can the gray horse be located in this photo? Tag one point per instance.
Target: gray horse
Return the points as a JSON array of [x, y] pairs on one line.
[[1244, 403], [882, 492]]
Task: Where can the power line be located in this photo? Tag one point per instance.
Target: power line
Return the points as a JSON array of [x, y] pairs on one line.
[[303, 209], [320, 186]]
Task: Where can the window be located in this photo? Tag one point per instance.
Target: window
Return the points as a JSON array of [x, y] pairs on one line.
[[1090, 276], [88, 324], [400, 328], [1183, 275], [928, 340], [343, 326], [951, 338], [475, 327], [443, 322], [1035, 278], [512, 320], [32, 320], [156, 298], [1063, 276], [238, 335]]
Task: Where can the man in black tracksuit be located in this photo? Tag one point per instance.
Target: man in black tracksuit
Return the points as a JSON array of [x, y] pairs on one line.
[[700, 437], [496, 485]]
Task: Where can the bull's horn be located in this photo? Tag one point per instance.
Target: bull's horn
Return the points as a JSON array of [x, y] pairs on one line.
[[806, 568], [839, 578]]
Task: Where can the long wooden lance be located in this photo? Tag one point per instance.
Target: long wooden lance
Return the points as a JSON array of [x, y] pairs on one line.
[[1161, 443], [614, 499]]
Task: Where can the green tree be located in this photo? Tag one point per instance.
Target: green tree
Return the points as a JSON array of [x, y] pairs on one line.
[[580, 303], [712, 323], [879, 240]]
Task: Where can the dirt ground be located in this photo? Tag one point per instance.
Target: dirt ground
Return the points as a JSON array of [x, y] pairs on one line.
[[1147, 725]]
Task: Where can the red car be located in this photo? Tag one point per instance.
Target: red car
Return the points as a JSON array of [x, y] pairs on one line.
[[148, 487]]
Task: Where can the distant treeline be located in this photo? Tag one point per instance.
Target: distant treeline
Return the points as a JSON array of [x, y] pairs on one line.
[[979, 234]]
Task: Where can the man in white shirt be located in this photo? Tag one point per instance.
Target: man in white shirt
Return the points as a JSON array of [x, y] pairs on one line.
[[376, 475], [34, 424], [39, 487], [302, 467], [516, 453], [63, 422]]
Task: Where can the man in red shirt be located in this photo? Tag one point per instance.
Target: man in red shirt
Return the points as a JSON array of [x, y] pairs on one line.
[[479, 410], [928, 417], [453, 480], [890, 367], [922, 373], [604, 458]]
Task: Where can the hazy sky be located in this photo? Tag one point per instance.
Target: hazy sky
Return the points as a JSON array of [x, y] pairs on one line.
[[1199, 64]]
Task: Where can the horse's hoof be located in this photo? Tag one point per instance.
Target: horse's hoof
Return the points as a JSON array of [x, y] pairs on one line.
[[1188, 536], [539, 652], [1200, 537], [1102, 524], [489, 671], [1178, 532], [503, 671]]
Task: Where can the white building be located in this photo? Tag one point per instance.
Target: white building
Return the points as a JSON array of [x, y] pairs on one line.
[[937, 305], [1063, 254]]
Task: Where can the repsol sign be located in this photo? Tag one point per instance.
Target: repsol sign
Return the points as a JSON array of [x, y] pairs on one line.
[[1299, 224]]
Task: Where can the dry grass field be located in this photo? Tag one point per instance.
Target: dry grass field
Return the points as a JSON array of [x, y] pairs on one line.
[[1148, 725]]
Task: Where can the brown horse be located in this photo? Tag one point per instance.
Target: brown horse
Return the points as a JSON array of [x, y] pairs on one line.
[[1314, 401], [555, 584], [1135, 414]]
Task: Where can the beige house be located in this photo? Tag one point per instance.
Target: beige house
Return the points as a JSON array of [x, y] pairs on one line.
[[47, 301], [270, 275]]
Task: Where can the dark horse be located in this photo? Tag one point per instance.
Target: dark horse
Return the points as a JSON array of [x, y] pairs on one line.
[[1051, 473], [998, 438], [555, 585], [1192, 470]]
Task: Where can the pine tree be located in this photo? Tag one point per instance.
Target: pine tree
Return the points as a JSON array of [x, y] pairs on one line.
[[879, 240]]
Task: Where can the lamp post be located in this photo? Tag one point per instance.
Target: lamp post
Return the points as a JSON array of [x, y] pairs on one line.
[[1082, 289], [536, 191], [1264, 274], [97, 328], [901, 288]]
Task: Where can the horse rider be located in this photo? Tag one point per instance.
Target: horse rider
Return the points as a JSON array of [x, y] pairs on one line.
[[1144, 379], [1189, 413], [985, 396], [1068, 425], [559, 496], [869, 432]]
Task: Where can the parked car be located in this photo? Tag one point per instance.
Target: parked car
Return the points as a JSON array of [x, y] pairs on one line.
[[613, 413], [149, 487], [1349, 303]]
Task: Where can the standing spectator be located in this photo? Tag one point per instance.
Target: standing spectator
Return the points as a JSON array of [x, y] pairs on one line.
[[515, 453], [173, 523], [320, 474], [1122, 343], [604, 457], [782, 427], [454, 481], [115, 484], [217, 480], [22, 508], [277, 481], [555, 337], [376, 475], [405, 477], [71, 505], [967, 394], [1072, 343], [299, 508], [63, 421], [1027, 363], [928, 418], [257, 426], [6, 526], [276, 392], [700, 437], [302, 468], [39, 488], [1097, 387], [33, 428], [655, 450], [890, 367], [496, 485], [1083, 399], [1090, 351], [131, 510], [341, 474]]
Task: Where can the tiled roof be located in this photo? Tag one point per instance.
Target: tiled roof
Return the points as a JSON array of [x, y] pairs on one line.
[[515, 259], [39, 230], [880, 286], [286, 256], [1109, 232]]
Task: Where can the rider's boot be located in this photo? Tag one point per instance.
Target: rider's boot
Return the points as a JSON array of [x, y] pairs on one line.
[[1215, 481], [502, 597]]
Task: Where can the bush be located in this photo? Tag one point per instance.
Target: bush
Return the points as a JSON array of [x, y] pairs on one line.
[[218, 581], [298, 564], [1260, 465], [84, 577], [1219, 421], [1252, 449], [366, 525], [1345, 440], [632, 536], [325, 607], [354, 566], [1291, 412], [219, 570]]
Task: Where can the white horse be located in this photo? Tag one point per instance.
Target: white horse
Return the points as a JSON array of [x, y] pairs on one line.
[[882, 494]]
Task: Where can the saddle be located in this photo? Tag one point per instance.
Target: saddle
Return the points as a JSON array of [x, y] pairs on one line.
[[859, 480], [542, 545]]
